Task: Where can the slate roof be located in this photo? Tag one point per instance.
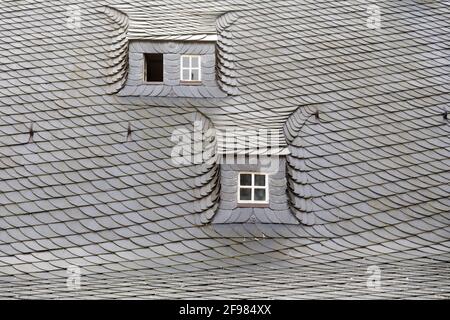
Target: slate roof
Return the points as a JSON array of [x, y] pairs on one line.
[[367, 180]]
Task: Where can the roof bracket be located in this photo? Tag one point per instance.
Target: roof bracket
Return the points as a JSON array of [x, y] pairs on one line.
[[129, 132], [31, 134]]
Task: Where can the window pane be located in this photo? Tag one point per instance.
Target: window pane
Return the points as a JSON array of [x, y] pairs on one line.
[[195, 75], [194, 62], [185, 63], [245, 194], [260, 180], [185, 74], [260, 194], [246, 179]]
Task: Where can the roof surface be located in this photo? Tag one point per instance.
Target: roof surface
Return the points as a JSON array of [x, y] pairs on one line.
[[367, 181]]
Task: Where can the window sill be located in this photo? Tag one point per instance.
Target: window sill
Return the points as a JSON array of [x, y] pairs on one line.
[[191, 83], [253, 205]]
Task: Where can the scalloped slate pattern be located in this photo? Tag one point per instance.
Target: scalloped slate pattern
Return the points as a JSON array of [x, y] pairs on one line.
[[367, 179]]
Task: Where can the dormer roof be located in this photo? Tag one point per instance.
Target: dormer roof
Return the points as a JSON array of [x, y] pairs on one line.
[[173, 20]]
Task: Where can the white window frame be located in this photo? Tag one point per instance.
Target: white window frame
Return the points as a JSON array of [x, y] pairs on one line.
[[190, 68], [253, 187]]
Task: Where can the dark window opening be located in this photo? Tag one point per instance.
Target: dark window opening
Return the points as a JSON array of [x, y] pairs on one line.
[[154, 67]]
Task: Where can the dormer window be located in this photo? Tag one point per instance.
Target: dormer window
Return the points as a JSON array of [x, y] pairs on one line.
[[154, 67], [179, 69], [190, 68], [253, 188]]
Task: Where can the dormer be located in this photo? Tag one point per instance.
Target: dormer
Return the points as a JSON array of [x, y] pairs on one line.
[[173, 58], [172, 69]]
